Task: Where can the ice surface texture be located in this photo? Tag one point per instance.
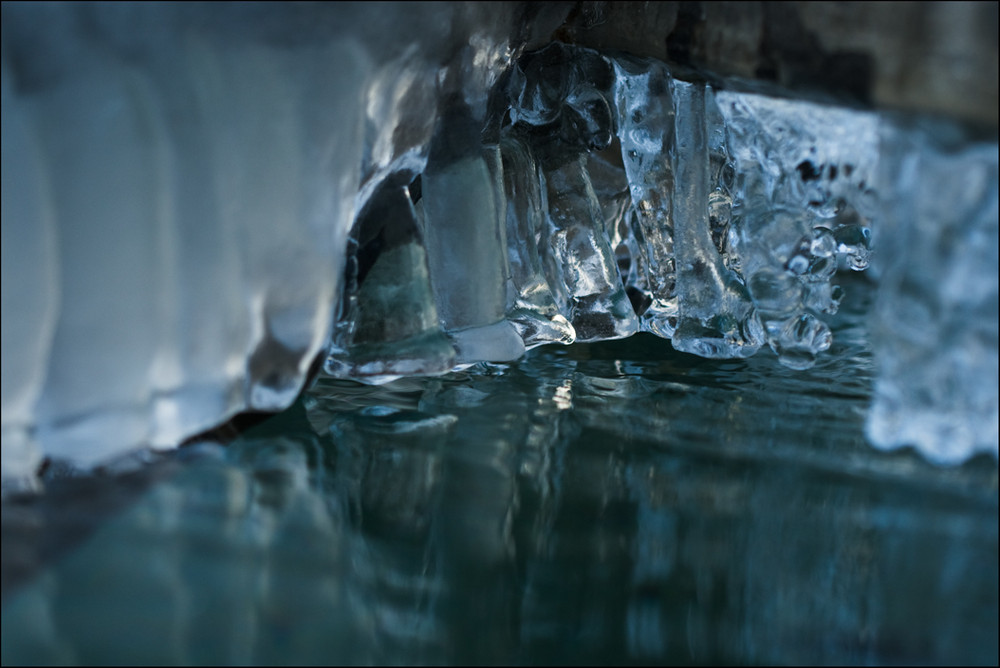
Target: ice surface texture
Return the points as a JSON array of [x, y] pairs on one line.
[[935, 327], [197, 193], [725, 213], [178, 185], [199, 202]]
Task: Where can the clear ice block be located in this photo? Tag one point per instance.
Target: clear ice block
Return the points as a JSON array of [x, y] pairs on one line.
[[645, 121], [596, 301], [559, 107], [535, 313], [388, 326], [466, 246], [716, 317], [794, 195]]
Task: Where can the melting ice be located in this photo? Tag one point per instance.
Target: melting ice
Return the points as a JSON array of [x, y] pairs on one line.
[[187, 228]]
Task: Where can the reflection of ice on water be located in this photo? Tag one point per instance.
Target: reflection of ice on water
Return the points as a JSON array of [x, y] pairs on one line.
[[677, 509], [563, 396]]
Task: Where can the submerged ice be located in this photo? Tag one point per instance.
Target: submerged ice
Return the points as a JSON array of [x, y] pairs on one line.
[[190, 221]]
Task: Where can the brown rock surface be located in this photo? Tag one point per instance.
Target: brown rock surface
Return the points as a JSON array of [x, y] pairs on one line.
[[929, 57]]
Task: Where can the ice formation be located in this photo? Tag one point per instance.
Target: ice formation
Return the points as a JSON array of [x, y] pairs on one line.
[[935, 323], [198, 202]]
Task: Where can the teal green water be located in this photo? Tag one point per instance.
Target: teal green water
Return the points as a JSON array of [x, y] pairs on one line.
[[606, 503]]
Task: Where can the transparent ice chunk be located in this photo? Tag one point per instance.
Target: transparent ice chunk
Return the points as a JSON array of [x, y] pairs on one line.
[[535, 313], [559, 107], [388, 325], [716, 317], [645, 124], [465, 241], [595, 296], [797, 181]]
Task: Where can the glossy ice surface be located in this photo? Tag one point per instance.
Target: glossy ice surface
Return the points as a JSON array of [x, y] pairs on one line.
[[595, 503], [202, 202]]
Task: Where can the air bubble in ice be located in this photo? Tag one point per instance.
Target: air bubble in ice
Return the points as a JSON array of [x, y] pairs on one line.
[[798, 339], [854, 241]]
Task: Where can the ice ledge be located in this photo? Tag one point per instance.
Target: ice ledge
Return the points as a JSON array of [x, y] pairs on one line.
[[180, 186]]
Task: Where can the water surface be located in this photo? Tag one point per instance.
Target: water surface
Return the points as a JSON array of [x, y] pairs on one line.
[[617, 502]]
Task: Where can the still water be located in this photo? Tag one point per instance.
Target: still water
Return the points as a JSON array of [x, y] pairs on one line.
[[616, 502]]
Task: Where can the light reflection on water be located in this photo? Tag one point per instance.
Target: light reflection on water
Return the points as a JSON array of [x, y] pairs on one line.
[[614, 502]]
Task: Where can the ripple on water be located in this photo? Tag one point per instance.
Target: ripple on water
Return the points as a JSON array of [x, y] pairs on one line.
[[613, 502]]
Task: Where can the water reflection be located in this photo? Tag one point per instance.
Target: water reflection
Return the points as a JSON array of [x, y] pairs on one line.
[[613, 502]]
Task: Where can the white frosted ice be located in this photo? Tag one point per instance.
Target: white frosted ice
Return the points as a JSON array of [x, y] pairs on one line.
[[29, 283], [183, 196], [935, 321]]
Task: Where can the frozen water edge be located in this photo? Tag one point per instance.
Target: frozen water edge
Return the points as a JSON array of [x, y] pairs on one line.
[[220, 272]]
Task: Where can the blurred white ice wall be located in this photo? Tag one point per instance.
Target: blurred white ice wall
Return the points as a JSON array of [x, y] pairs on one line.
[[934, 328], [178, 183], [176, 195]]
